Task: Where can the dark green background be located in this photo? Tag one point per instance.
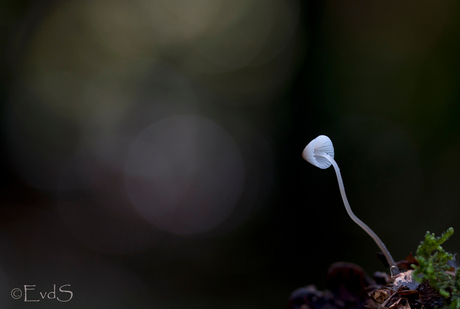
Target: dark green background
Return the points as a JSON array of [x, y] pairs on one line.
[[380, 78]]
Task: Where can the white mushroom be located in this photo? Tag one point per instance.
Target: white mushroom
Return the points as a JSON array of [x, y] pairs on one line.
[[320, 153], [314, 150]]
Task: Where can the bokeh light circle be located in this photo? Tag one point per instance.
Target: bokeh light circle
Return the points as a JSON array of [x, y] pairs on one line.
[[184, 174]]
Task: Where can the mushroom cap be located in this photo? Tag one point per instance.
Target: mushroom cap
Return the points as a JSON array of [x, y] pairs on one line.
[[315, 150]]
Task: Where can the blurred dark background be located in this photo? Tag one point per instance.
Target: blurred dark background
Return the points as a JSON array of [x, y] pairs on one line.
[[151, 149]]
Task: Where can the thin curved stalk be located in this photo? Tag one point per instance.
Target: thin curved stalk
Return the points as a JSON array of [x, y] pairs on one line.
[[371, 233]]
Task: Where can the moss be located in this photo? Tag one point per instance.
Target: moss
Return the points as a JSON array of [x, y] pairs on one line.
[[433, 266]]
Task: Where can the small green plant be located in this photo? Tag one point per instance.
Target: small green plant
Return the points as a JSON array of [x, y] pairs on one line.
[[433, 267]]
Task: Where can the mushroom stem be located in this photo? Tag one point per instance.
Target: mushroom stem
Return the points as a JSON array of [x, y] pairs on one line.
[[371, 233]]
